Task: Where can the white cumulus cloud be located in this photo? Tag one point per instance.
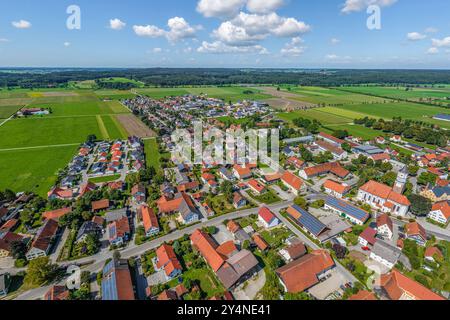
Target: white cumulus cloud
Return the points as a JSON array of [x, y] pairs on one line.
[[220, 8], [218, 47], [246, 29], [433, 50], [335, 41], [264, 6], [179, 29], [116, 24], [22, 24], [293, 48], [360, 5], [416, 36], [441, 42]]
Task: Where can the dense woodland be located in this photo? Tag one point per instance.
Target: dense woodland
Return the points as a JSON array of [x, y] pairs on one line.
[[37, 78]]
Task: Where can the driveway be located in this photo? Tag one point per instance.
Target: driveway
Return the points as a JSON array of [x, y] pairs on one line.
[[286, 196], [327, 287], [249, 289]]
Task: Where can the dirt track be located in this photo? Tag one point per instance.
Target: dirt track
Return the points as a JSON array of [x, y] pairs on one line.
[[134, 126]]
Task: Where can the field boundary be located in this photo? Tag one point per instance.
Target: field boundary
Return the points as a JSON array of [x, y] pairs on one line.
[[102, 127]]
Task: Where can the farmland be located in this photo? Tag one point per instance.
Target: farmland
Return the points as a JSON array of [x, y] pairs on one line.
[[34, 148], [437, 92]]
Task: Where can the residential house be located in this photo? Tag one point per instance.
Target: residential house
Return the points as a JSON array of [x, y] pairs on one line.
[[260, 242], [396, 286], [267, 218], [336, 189], [309, 223], [138, 193], [150, 221], [440, 212], [385, 226], [294, 251], [386, 255], [226, 174], [257, 187], [296, 162], [119, 231], [294, 183], [59, 193], [181, 204], [396, 139], [56, 214], [86, 229], [242, 172], [384, 198], [6, 240], [414, 231], [239, 201], [167, 260], [116, 281], [367, 237], [305, 272], [347, 210], [337, 152], [100, 205], [437, 193], [42, 243]]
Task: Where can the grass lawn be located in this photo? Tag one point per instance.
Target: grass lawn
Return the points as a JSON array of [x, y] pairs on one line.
[[159, 93], [31, 132], [33, 170], [401, 92], [220, 205], [268, 197], [317, 114], [152, 154], [80, 108], [105, 179], [207, 279]]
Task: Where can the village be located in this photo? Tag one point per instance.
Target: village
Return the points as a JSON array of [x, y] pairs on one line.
[[343, 218]]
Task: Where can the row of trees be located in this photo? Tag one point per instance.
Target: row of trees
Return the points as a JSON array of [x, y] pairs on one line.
[[417, 130]]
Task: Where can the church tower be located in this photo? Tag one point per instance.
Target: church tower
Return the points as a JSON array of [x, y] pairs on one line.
[[400, 182]]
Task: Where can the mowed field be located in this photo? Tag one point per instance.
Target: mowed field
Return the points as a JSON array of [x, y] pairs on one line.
[[232, 94], [33, 149], [402, 93]]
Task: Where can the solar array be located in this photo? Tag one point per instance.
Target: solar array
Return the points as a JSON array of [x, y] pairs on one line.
[[347, 208], [310, 222], [109, 285]]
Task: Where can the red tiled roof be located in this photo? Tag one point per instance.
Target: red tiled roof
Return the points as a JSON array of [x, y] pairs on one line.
[[330, 137], [100, 205], [335, 186], [369, 235], [254, 184], [363, 295], [227, 248], [334, 168], [57, 293], [56, 214], [414, 228], [232, 226], [8, 239], [207, 247], [380, 157], [292, 180], [396, 284], [266, 214], [149, 218], [11, 223], [260, 242], [384, 219], [167, 259], [242, 172], [444, 207], [272, 177], [301, 274]]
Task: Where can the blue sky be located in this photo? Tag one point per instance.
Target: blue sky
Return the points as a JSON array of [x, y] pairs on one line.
[[226, 33]]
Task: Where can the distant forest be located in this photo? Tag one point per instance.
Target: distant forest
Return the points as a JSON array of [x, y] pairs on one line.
[[40, 78]]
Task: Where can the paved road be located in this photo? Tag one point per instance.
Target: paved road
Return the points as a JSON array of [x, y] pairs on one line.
[[96, 263]]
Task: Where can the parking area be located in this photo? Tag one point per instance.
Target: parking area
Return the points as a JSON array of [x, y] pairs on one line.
[[249, 289], [332, 284]]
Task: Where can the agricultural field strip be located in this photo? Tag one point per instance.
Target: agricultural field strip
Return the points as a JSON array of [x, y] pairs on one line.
[[41, 147]]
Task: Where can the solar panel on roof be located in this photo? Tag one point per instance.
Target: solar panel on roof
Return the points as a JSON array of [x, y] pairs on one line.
[[347, 208], [311, 223]]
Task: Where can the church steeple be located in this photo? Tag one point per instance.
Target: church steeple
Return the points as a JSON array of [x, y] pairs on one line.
[[400, 182]]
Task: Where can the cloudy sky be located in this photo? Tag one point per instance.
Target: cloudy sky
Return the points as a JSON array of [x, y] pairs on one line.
[[226, 33]]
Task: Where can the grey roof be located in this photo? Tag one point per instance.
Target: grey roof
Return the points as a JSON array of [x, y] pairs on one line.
[[440, 191], [236, 267], [368, 149], [241, 235], [299, 140], [115, 215], [88, 227], [388, 253]]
